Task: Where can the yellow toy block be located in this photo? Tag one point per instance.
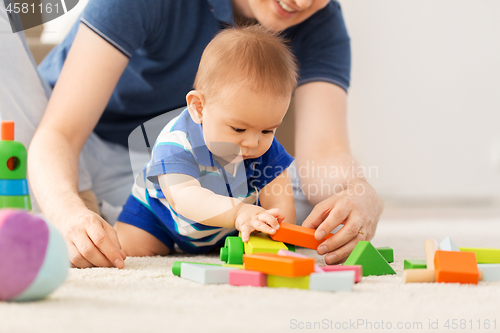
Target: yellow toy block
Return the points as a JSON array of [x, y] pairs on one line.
[[234, 266], [276, 281], [484, 255], [262, 243]]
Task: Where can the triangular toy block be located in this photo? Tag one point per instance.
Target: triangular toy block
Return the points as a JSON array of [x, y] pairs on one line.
[[206, 274], [484, 255], [373, 263], [456, 267], [332, 281], [415, 263], [448, 245], [262, 243], [298, 235], [270, 263], [387, 253]]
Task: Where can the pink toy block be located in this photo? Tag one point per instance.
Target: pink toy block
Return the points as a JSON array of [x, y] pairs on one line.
[[317, 269], [358, 270], [247, 278]]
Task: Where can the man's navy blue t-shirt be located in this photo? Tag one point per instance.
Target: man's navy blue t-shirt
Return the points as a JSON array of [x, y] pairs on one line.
[[164, 40]]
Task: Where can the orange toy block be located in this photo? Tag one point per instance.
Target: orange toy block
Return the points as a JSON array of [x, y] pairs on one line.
[[297, 235], [453, 267], [274, 264]]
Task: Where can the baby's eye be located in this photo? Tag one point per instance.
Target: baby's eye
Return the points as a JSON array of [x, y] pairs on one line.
[[239, 130], [267, 132]]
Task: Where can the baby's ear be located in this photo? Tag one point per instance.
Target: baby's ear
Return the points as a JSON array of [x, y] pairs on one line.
[[195, 103]]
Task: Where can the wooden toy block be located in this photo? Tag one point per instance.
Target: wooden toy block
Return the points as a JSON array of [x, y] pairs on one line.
[[491, 272], [276, 281], [317, 269], [430, 247], [366, 255], [387, 253], [232, 252], [290, 247], [234, 266], [448, 245], [176, 267], [415, 263], [421, 275], [270, 263], [332, 281], [455, 267], [206, 274], [243, 277], [298, 235], [262, 243], [357, 269], [484, 255]]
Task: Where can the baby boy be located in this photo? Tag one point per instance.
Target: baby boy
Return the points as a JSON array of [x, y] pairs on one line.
[[217, 167]]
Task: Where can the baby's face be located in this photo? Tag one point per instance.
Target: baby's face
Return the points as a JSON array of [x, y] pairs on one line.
[[241, 123]]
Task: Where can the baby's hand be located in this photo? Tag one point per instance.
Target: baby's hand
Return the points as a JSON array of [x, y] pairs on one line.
[[251, 217]]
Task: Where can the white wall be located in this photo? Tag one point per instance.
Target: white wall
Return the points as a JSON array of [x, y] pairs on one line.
[[425, 97]]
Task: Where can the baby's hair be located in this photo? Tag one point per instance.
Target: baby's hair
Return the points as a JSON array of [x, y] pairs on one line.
[[251, 56]]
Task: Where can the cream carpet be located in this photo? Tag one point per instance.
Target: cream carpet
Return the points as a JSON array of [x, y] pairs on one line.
[[146, 297]]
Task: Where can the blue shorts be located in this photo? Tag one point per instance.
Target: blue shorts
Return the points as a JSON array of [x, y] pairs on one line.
[[138, 215]]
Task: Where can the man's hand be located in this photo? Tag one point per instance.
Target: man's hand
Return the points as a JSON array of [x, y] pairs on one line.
[[251, 217], [358, 208], [92, 241]]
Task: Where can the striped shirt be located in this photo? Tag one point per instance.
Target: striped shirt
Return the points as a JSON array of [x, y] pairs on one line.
[[180, 148]]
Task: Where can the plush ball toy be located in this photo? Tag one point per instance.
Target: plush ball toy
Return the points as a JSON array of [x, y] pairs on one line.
[[33, 256]]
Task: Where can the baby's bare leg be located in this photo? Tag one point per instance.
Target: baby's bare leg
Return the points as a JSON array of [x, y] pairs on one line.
[[139, 243]]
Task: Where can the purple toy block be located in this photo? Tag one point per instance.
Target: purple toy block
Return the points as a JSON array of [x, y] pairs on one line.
[[242, 277]]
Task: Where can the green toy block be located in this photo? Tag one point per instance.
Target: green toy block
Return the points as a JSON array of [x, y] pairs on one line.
[[232, 252], [387, 253], [262, 243], [15, 201], [484, 255], [15, 150], [176, 267], [290, 247], [373, 263], [275, 281], [415, 263]]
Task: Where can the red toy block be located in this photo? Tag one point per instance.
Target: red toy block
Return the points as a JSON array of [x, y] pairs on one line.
[[453, 267], [243, 277], [358, 270], [298, 235], [274, 264]]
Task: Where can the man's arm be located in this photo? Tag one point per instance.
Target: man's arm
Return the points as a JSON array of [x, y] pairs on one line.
[[279, 194], [87, 80], [341, 194]]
